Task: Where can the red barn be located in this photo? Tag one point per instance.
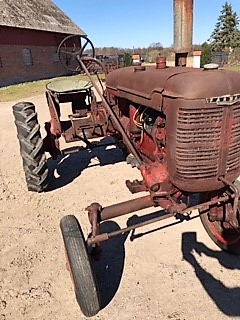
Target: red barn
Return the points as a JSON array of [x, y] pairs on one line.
[[30, 32]]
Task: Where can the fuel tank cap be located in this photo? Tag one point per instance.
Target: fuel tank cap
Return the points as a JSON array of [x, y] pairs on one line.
[[211, 66]]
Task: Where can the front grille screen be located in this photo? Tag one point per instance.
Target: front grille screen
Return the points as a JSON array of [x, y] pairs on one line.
[[199, 143]]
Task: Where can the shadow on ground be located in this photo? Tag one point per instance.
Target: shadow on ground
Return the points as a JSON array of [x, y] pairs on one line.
[[74, 160], [227, 299], [135, 219], [109, 268]]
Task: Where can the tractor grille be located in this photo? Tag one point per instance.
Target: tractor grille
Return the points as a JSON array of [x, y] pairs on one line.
[[201, 139]]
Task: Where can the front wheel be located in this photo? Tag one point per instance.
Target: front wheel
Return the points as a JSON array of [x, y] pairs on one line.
[[80, 268], [222, 233]]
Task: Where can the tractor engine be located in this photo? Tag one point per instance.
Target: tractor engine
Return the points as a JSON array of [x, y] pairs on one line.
[[184, 122]]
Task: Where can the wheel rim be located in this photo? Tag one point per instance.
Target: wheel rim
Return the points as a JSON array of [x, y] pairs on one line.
[[221, 224], [225, 236]]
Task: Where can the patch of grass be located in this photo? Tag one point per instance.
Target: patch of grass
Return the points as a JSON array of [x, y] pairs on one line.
[[29, 89], [232, 68], [21, 91]]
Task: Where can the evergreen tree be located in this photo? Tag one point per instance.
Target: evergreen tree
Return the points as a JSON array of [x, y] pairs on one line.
[[207, 54], [226, 35], [127, 59]]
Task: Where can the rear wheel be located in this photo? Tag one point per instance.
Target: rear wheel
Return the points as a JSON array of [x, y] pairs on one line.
[[222, 233], [80, 268], [31, 146]]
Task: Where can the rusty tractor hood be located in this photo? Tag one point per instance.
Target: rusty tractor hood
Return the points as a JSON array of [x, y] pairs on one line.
[[148, 85]]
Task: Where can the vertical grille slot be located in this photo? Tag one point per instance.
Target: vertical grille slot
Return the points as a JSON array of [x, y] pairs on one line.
[[233, 160]]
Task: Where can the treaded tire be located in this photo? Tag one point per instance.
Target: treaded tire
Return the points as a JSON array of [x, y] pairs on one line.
[[82, 275], [226, 239], [31, 146]]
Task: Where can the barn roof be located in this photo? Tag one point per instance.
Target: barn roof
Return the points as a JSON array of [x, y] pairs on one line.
[[38, 15]]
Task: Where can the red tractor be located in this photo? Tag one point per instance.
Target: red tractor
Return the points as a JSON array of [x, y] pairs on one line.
[[181, 127]]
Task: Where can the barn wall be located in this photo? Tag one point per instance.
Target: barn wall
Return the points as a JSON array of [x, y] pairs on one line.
[[42, 45]]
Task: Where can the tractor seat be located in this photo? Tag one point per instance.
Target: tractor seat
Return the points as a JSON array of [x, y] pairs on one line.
[[68, 86]]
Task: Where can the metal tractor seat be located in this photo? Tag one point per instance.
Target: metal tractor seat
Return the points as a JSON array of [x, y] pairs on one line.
[[76, 91], [68, 86]]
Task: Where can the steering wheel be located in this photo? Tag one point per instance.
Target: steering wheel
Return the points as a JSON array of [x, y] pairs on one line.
[[72, 48]]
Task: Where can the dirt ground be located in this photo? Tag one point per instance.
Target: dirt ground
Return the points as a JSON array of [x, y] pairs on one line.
[[163, 271]]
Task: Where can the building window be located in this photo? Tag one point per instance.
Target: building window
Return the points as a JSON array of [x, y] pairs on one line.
[[55, 57], [27, 57]]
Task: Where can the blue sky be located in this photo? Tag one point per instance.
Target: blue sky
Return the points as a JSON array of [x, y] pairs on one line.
[[129, 24]]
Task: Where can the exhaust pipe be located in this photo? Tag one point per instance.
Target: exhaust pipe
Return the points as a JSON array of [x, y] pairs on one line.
[[183, 30]]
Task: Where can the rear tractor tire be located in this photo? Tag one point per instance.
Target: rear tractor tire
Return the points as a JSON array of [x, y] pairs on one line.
[[31, 146]]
